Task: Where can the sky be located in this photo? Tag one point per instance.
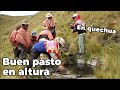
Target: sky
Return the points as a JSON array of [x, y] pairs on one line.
[[18, 13]]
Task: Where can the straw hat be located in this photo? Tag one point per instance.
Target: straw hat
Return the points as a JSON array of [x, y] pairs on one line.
[[48, 15], [25, 22]]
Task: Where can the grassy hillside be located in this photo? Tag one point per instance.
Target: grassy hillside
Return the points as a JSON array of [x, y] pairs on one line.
[[7, 25], [105, 47]]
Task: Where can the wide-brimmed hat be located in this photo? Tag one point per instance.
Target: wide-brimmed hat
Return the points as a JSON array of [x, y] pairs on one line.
[[24, 22], [74, 15], [48, 15]]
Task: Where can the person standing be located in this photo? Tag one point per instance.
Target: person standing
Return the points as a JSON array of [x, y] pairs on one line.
[[24, 40], [34, 37], [45, 33], [13, 42], [50, 23], [78, 23]]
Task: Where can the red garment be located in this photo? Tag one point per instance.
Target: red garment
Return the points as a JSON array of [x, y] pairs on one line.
[[52, 46], [78, 21], [24, 37], [77, 17], [46, 32], [49, 23], [12, 38]]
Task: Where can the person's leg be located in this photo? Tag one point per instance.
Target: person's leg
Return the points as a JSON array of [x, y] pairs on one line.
[[30, 51], [23, 52], [22, 55], [34, 55], [47, 54], [81, 43], [52, 30], [18, 52], [15, 50], [54, 33]]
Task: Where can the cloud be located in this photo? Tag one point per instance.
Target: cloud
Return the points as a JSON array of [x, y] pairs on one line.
[[19, 13]]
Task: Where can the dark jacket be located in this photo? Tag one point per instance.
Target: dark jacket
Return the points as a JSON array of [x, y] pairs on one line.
[[76, 30]]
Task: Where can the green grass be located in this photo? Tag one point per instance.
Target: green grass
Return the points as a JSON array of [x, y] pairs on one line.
[[111, 63], [108, 53]]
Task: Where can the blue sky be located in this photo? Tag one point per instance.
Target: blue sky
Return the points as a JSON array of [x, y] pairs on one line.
[[18, 13]]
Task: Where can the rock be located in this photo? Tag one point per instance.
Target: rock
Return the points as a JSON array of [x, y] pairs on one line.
[[80, 63], [83, 69], [59, 76], [71, 59], [89, 62], [90, 77], [24, 77], [94, 62], [64, 71]]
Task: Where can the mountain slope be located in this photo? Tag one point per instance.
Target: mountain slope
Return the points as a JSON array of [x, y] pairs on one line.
[[101, 45]]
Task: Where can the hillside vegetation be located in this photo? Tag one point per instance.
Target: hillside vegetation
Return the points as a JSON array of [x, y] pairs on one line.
[[103, 46]]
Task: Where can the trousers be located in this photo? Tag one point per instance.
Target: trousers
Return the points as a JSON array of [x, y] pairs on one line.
[[81, 43]]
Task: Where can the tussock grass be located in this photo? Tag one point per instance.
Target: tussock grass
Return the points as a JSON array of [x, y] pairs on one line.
[[111, 63]]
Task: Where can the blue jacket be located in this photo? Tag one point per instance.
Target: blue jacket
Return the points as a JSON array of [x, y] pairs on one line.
[[39, 47]]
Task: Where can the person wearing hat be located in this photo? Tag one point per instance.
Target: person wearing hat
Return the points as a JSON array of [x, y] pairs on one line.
[[13, 42], [49, 22], [24, 40], [34, 37], [45, 33], [79, 22]]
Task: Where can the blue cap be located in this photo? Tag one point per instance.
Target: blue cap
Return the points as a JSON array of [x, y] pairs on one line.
[[34, 33]]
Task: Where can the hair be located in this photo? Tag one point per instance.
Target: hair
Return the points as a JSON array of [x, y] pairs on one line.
[[43, 36], [18, 27]]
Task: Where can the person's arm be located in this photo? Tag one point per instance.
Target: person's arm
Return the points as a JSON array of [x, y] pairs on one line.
[[11, 37], [75, 28], [15, 37], [50, 36], [71, 26], [38, 37], [43, 23]]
